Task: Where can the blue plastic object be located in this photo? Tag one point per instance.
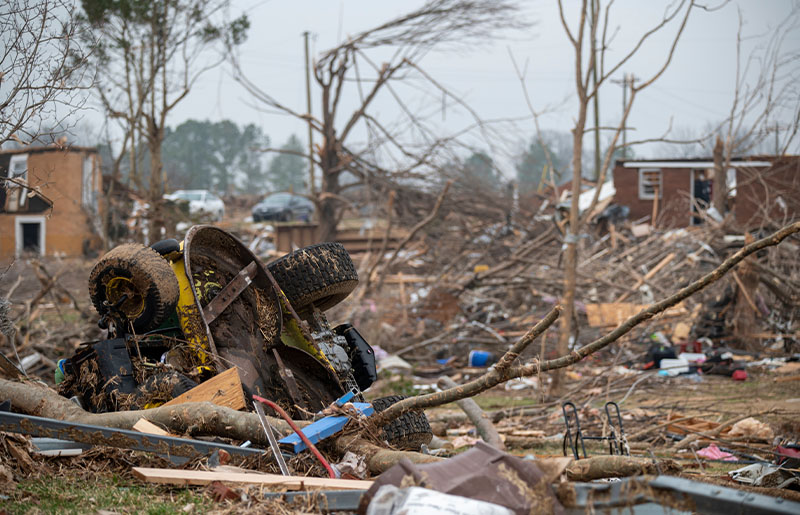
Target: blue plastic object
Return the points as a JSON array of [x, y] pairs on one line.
[[344, 399], [322, 428], [479, 358]]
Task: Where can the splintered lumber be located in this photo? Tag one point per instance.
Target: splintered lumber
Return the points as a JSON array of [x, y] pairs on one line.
[[691, 425], [145, 426], [223, 389], [7, 367], [202, 477], [649, 275], [482, 423], [613, 314]]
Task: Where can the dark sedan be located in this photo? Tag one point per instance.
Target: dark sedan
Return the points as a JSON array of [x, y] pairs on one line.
[[283, 207]]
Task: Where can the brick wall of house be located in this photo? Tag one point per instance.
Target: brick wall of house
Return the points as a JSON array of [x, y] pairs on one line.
[[673, 205], [768, 196], [59, 176]]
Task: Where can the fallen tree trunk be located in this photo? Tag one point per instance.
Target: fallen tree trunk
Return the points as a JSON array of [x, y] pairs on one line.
[[600, 467], [503, 370], [191, 418], [476, 415], [379, 459]]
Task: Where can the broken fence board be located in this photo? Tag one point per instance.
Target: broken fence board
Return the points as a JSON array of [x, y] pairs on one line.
[[145, 426], [613, 314], [322, 428], [224, 389], [202, 477]]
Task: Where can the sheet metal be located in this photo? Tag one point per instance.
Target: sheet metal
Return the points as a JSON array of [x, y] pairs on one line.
[[120, 438]]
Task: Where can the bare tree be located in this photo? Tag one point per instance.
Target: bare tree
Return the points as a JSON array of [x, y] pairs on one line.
[[42, 70], [148, 56], [591, 34], [408, 149], [764, 92]]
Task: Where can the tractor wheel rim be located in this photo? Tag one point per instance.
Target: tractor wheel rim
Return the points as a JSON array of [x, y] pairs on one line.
[[133, 305]]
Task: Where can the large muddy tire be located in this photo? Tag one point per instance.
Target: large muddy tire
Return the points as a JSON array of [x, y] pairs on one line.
[[320, 275], [144, 276], [407, 432]]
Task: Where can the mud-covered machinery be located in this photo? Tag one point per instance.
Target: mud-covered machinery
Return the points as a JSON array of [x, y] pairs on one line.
[[178, 313]]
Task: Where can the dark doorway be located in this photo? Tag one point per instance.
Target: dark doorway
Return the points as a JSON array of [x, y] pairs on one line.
[[31, 236], [701, 191]]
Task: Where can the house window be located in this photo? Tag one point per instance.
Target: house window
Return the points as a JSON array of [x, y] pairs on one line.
[[88, 196], [17, 195], [29, 235], [650, 183]]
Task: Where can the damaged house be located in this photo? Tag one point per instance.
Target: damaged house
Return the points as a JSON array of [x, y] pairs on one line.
[[762, 190], [49, 201]]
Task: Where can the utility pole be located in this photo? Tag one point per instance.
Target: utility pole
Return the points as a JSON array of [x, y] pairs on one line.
[[596, 175], [624, 125], [627, 80], [311, 186]]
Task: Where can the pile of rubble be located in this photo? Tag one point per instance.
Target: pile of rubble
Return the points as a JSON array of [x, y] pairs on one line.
[[441, 315]]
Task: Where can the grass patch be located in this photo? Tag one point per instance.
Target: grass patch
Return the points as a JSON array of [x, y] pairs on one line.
[[73, 495], [392, 384]]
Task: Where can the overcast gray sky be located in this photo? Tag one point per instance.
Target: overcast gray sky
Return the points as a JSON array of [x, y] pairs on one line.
[[696, 89]]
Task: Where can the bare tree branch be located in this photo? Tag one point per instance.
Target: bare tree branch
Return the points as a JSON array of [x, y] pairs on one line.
[[44, 81]]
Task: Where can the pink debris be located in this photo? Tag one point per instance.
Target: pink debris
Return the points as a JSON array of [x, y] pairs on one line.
[[712, 452]]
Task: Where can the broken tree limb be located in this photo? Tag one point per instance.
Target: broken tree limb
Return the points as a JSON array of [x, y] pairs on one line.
[[493, 377], [195, 418], [717, 431], [649, 275], [476, 415], [379, 459], [502, 371], [422, 223], [599, 467], [386, 235]]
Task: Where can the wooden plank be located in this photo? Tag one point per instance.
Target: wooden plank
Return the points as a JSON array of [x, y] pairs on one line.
[[649, 275], [203, 477], [223, 389], [614, 313], [787, 379], [322, 428], [693, 425], [145, 426]]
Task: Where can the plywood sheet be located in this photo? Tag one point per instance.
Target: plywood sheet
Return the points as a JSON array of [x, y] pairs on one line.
[[614, 313], [202, 477], [224, 389]]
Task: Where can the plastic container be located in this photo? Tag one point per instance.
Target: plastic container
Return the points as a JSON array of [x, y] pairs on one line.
[[674, 367], [480, 358]]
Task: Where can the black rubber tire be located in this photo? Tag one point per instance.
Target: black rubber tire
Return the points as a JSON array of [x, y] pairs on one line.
[[321, 275], [409, 431], [166, 247], [146, 276]]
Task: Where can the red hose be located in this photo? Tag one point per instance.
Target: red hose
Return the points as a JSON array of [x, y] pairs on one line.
[[296, 429]]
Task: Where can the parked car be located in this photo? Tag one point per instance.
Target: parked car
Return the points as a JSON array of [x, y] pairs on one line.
[[201, 202], [283, 207]]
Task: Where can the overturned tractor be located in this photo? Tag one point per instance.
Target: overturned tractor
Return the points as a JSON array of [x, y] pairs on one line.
[[178, 313]]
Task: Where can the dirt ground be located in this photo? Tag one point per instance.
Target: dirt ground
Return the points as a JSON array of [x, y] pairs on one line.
[[103, 481]]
